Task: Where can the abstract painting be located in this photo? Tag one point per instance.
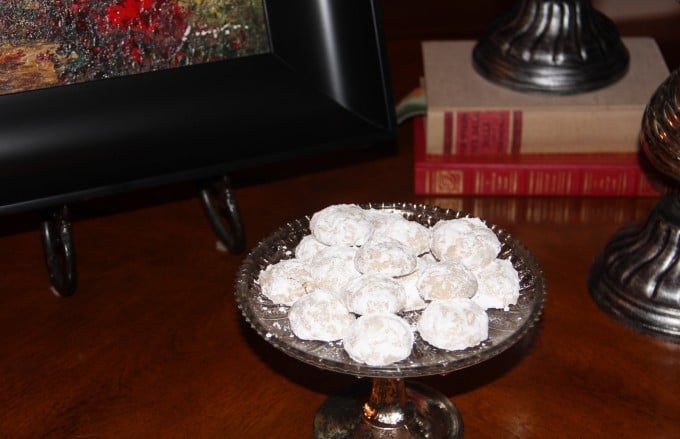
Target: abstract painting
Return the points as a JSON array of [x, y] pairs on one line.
[[46, 43]]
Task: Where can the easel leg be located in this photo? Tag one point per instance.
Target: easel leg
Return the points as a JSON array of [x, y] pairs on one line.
[[220, 206], [59, 252]]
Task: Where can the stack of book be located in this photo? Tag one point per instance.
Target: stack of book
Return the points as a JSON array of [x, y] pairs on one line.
[[479, 138]]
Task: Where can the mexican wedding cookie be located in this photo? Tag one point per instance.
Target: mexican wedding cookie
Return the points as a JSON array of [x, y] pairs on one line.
[[465, 240], [341, 224], [454, 324], [446, 280], [395, 226], [332, 267], [414, 300], [498, 285], [385, 256], [371, 293], [308, 247], [286, 281], [319, 315], [378, 339]]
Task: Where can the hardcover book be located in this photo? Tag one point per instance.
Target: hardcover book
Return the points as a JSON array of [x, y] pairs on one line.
[[466, 114], [597, 174]]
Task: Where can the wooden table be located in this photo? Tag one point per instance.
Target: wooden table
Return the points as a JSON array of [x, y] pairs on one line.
[[152, 344]]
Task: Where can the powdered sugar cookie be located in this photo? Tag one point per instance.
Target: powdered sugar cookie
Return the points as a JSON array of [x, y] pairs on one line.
[[341, 224], [378, 339], [319, 315], [454, 324], [286, 281], [411, 233], [388, 257], [498, 285], [465, 240], [379, 216], [446, 280], [414, 300], [332, 267], [372, 293], [308, 247]]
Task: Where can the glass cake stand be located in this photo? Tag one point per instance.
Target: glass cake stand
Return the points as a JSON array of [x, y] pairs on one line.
[[391, 407]]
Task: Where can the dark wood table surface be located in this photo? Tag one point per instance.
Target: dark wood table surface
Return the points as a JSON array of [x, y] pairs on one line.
[[152, 344]]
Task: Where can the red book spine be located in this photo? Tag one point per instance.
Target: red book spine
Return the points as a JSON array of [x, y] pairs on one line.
[[483, 132], [579, 174]]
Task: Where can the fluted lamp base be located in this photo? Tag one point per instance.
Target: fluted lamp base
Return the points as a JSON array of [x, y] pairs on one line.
[[636, 276], [552, 47]]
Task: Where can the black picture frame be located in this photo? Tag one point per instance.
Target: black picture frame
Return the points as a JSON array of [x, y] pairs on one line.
[[323, 87]]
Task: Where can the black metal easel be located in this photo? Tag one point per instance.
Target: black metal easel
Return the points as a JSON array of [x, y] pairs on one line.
[[219, 204]]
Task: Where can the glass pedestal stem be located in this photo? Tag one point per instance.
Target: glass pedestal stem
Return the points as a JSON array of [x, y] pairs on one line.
[[388, 406], [393, 408]]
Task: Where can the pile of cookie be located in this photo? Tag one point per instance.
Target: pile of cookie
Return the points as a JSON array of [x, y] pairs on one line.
[[359, 270]]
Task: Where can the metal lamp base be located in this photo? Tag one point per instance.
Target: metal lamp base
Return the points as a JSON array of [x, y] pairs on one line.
[[552, 47], [636, 276]]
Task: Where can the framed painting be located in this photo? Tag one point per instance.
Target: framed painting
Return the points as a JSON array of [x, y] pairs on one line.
[[103, 96], [99, 97], [59, 42]]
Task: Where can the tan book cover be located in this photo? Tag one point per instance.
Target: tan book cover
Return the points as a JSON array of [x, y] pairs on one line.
[[467, 114]]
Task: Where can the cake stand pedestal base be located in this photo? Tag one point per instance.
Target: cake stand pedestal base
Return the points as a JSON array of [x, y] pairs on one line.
[[394, 409]]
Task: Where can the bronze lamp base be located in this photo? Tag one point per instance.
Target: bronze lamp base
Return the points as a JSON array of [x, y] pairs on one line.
[[636, 277], [550, 46]]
